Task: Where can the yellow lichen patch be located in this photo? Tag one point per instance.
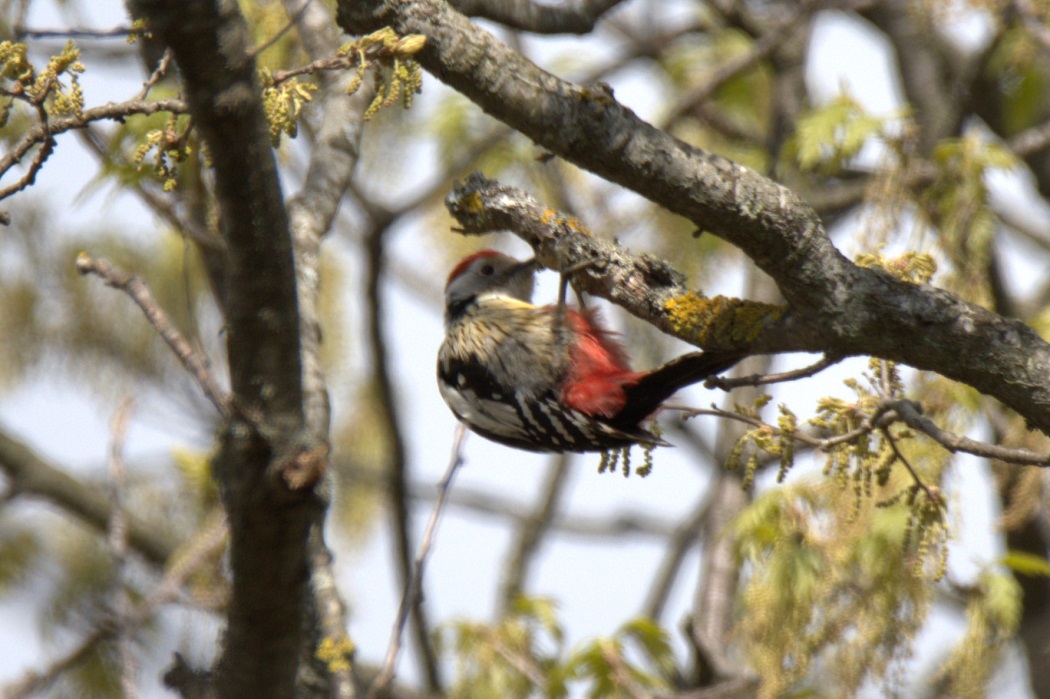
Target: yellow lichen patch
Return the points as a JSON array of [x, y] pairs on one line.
[[550, 217], [720, 319], [576, 226], [336, 653], [472, 203]]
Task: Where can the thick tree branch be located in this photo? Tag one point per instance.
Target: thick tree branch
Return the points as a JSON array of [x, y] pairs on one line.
[[867, 312], [833, 305], [269, 521], [32, 475], [311, 212], [587, 126], [727, 384], [572, 17]]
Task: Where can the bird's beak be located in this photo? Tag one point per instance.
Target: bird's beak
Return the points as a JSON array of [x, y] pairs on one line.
[[528, 266]]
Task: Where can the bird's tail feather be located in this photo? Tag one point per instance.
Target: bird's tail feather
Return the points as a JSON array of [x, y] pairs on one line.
[[645, 396]]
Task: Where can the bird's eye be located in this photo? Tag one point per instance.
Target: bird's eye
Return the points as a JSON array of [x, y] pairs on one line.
[[488, 270]]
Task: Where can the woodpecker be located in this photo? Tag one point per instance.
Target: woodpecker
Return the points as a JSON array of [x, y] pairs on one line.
[[546, 378]]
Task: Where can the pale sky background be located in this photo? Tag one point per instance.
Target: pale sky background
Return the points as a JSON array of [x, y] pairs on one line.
[[598, 584]]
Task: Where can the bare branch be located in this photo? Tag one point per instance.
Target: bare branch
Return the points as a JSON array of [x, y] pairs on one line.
[[193, 360], [532, 530], [885, 414], [911, 413], [728, 384], [30, 33], [32, 475], [685, 536], [45, 138], [118, 546], [48, 127], [762, 48], [385, 407], [203, 548], [413, 587], [158, 74]]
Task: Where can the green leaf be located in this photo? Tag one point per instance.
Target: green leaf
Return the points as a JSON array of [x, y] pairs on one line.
[[542, 609], [1026, 563], [654, 641], [830, 135]]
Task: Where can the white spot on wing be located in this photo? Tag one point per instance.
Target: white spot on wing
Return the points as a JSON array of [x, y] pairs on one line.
[[485, 415]]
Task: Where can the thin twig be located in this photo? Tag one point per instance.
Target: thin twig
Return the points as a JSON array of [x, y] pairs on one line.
[[686, 535], [44, 132], [412, 589], [194, 361], [21, 32], [912, 416], [727, 384], [321, 64], [532, 530], [866, 427], [930, 494], [886, 413], [118, 545], [46, 138], [202, 548], [292, 21], [163, 65], [760, 49], [385, 407], [342, 62]]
